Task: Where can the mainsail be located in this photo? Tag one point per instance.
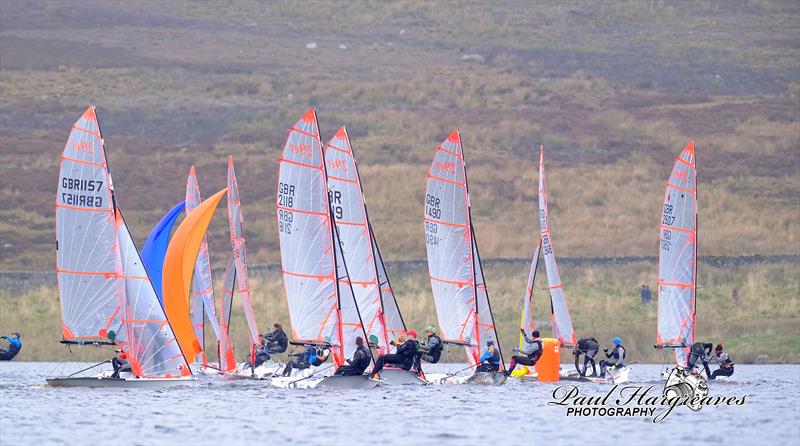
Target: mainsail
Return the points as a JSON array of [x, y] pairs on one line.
[[155, 247], [106, 295], [236, 223], [373, 292], [677, 265], [459, 289], [562, 324], [322, 307], [179, 267], [526, 319], [202, 297], [88, 268]]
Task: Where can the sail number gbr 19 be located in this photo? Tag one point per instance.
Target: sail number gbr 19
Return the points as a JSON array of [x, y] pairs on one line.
[[286, 193]]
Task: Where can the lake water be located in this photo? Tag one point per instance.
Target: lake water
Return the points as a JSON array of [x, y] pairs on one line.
[[217, 411]]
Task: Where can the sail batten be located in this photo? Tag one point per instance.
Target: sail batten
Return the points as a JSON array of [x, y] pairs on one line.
[[454, 266], [677, 266], [562, 323]]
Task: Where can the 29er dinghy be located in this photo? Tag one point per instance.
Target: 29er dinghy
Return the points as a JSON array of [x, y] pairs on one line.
[[677, 260], [106, 295], [239, 282], [562, 322], [201, 299], [373, 292], [322, 305], [454, 263]]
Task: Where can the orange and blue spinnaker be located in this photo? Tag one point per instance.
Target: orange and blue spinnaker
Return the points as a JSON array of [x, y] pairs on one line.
[[155, 247]]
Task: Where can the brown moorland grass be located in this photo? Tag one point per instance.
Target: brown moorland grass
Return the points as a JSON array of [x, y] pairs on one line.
[[753, 309]]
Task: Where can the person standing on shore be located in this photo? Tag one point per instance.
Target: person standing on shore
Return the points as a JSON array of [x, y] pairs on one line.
[[647, 296]]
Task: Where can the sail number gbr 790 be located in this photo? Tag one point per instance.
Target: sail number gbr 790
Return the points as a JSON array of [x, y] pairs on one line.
[[286, 195]]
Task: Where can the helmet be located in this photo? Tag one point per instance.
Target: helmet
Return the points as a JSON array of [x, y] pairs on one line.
[[719, 347], [617, 341], [490, 342], [430, 328], [412, 333]]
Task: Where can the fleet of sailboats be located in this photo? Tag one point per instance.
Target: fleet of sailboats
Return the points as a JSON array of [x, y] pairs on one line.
[[154, 307]]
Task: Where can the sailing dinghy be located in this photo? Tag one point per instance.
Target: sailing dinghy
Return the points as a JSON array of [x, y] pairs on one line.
[[375, 298], [454, 264], [322, 305], [677, 260], [562, 322], [106, 295], [238, 281]]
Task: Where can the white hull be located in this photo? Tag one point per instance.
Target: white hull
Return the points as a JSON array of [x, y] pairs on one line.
[[126, 381]]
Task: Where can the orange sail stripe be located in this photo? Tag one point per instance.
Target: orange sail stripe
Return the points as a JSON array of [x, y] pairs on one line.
[[446, 180], [75, 160], [297, 163], [458, 225]]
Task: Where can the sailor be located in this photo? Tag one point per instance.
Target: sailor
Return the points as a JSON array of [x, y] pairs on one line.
[[120, 363], [360, 361], [276, 340], [309, 357], [14, 346], [432, 349], [261, 353], [699, 351], [617, 357], [724, 361], [532, 349], [403, 357], [589, 348], [490, 359]]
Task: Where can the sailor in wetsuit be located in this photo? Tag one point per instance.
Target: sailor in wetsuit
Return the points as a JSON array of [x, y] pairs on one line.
[[532, 349], [120, 364], [617, 357], [310, 357], [589, 348], [403, 357], [724, 361], [360, 361], [432, 349], [14, 346], [699, 351], [276, 341], [490, 359]]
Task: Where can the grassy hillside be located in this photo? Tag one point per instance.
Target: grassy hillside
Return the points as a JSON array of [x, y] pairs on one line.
[[755, 310], [613, 91]]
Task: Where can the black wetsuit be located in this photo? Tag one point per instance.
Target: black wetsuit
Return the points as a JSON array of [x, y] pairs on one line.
[[277, 342], [14, 346], [533, 351], [725, 365], [304, 360], [120, 364], [489, 363], [433, 349], [618, 355], [357, 365], [699, 351], [403, 358], [589, 348]]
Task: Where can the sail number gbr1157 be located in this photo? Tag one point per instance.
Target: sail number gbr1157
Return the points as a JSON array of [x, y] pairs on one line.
[[286, 193]]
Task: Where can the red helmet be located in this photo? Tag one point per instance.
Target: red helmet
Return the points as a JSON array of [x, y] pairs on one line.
[[412, 333]]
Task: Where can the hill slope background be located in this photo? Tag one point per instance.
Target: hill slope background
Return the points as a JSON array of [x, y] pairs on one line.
[[613, 91]]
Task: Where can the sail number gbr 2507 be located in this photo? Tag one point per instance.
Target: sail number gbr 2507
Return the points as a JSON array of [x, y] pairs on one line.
[[286, 194]]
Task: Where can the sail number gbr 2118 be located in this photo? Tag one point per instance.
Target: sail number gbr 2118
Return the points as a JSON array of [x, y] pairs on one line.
[[286, 197]]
